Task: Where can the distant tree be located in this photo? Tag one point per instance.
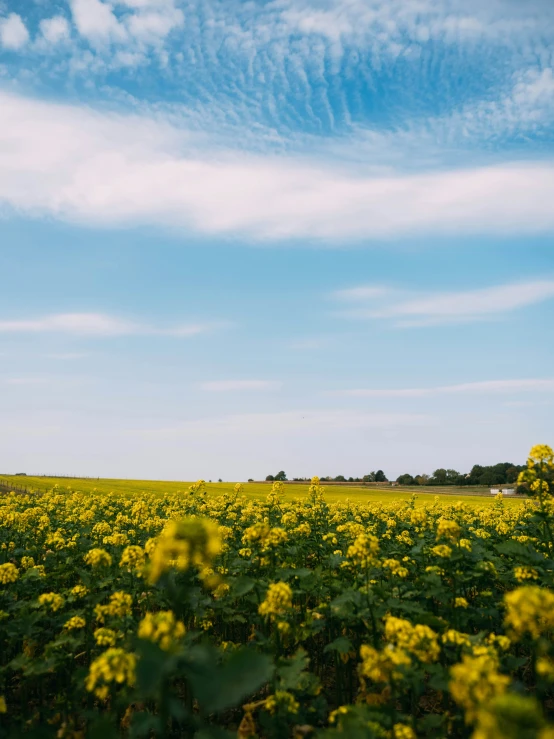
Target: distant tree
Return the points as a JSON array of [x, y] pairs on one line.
[[340, 478], [439, 477], [220, 480], [350, 479], [422, 479], [380, 476], [269, 478], [281, 476], [250, 479], [369, 478], [512, 474], [405, 479]]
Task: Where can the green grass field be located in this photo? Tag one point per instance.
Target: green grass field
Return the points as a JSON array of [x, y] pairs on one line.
[[257, 490]]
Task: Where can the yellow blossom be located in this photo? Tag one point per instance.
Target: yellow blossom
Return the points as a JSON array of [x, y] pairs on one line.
[[98, 558], [278, 600], [75, 622], [162, 628], [8, 573], [114, 666], [529, 610]]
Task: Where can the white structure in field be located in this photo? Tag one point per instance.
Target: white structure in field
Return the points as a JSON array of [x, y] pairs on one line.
[[504, 491]]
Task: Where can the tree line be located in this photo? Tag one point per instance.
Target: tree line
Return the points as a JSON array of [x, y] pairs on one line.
[[503, 473]]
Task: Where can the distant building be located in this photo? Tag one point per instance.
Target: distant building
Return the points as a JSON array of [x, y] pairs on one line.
[[394, 484], [504, 491]]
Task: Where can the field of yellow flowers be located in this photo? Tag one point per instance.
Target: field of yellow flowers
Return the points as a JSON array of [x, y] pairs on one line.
[[187, 615]]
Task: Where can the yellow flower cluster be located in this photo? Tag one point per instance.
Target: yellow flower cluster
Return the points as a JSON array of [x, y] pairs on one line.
[[114, 666], [448, 529], [182, 544], [133, 559], [363, 552], [382, 666], [8, 573], [476, 680], [75, 622], [419, 640], [105, 637], [162, 628], [53, 601], [282, 700], [98, 558], [278, 600], [119, 606], [529, 610]]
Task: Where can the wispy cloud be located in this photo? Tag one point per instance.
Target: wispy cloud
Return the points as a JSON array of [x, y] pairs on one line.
[[486, 387], [406, 309], [97, 324], [297, 422], [223, 386], [13, 32], [76, 164], [25, 380]]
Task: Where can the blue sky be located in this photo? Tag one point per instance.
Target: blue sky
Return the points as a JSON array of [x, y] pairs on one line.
[[237, 237]]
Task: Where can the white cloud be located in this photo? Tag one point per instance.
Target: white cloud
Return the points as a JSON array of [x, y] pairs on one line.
[[13, 32], [486, 387], [442, 308], [25, 380], [151, 26], [222, 386], [297, 422], [96, 21], [67, 356], [96, 324], [76, 164], [55, 29]]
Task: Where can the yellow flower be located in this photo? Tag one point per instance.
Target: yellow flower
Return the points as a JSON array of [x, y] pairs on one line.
[[545, 668], [476, 680], [419, 640], [162, 628], [529, 610], [525, 573], [79, 591], [382, 666], [182, 544], [396, 567], [119, 606], [27, 562], [8, 573], [403, 731], [460, 603], [448, 529], [75, 622], [54, 601], [133, 559], [98, 558], [451, 636], [442, 550], [278, 600], [105, 637], [282, 700], [3, 707], [114, 666], [363, 551]]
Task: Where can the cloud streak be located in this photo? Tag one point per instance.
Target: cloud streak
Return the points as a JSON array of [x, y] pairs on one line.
[[409, 310], [293, 422], [79, 165], [487, 387], [96, 325], [224, 386]]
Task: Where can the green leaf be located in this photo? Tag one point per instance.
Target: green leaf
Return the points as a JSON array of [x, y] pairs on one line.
[[218, 687], [342, 645]]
